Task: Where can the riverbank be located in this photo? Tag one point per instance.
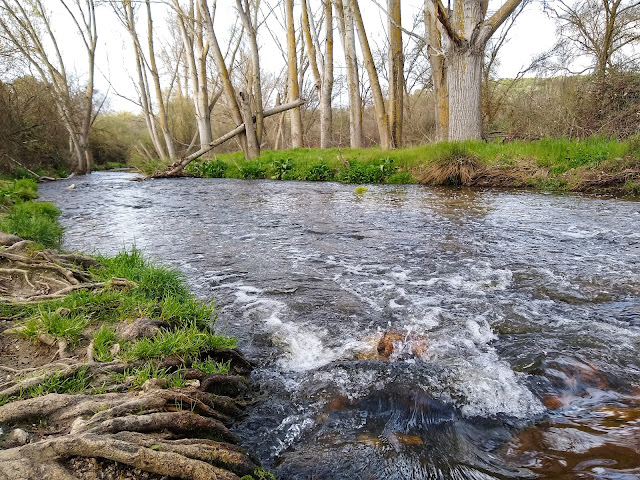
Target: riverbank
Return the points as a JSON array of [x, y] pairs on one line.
[[109, 365], [594, 165]]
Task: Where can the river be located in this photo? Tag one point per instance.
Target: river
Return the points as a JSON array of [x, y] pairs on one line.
[[511, 320]]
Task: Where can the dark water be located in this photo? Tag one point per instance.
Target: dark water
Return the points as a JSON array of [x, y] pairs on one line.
[[513, 319]]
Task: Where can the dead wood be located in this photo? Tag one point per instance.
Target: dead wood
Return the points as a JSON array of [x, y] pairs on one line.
[[175, 169]]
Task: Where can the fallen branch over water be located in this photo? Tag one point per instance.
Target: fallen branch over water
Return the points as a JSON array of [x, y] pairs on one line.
[[175, 168]]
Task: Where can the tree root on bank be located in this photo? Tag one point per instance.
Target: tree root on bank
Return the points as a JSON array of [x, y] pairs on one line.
[[44, 275], [179, 433], [143, 430]]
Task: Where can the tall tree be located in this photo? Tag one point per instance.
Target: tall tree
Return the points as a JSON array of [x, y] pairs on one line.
[[457, 38], [223, 71], [249, 17], [374, 82], [347, 34], [27, 26], [396, 73], [294, 89], [190, 24], [146, 65], [321, 65]]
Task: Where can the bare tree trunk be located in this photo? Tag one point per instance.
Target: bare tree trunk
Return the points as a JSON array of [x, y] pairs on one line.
[[464, 79], [396, 74], [464, 33], [438, 74], [296, 117], [345, 24], [251, 29], [223, 72], [376, 91], [162, 109], [253, 146], [190, 25], [326, 91]]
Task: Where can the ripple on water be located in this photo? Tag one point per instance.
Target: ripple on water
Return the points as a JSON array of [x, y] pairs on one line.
[[495, 301]]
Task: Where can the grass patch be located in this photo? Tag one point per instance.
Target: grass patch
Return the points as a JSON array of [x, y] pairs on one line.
[[154, 282], [103, 340], [76, 383], [138, 376], [56, 324], [455, 165], [182, 312], [36, 221], [187, 342], [211, 367]]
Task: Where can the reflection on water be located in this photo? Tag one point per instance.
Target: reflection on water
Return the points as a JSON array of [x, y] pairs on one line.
[[405, 332]]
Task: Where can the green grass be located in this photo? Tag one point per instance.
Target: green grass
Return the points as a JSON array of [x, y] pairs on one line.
[[46, 321], [183, 311], [403, 166], [103, 340], [20, 190], [36, 221], [138, 376], [155, 282], [211, 367], [186, 342], [76, 383]]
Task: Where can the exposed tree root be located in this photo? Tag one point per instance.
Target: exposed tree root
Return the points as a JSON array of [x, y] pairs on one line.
[[143, 430], [178, 433]]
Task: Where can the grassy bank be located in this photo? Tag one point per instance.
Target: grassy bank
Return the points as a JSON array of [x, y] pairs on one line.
[[595, 164]]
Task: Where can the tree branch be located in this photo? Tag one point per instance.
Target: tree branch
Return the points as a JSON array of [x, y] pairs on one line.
[[483, 32]]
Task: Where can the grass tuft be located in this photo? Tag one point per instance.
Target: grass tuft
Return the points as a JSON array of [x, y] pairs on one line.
[[45, 321], [138, 376], [455, 165], [36, 221], [103, 340], [211, 367], [154, 282], [185, 342]]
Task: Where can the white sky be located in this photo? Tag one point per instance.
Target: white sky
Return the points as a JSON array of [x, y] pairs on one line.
[[533, 34]]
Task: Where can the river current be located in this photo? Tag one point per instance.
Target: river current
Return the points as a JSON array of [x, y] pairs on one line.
[[404, 332]]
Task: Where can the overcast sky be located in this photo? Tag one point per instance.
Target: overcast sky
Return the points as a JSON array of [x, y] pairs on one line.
[[533, 33]]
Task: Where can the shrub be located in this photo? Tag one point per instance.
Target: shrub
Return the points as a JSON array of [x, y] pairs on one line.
[[253, 170], [280, 167], [215, 169], [318, 172]]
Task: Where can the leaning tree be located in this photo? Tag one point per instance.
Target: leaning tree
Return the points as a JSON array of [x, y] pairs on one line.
[[457, 36]]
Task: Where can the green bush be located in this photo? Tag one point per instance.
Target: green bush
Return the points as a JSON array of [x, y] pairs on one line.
[[253, 170], [318, 172], [215, 169], [280, 168], [36, 221], [401, 178]]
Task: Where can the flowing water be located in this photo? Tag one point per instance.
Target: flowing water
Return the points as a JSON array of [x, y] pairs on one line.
[[406, 332]]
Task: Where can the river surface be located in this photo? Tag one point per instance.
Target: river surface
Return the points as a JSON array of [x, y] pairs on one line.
[[404, 332]]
